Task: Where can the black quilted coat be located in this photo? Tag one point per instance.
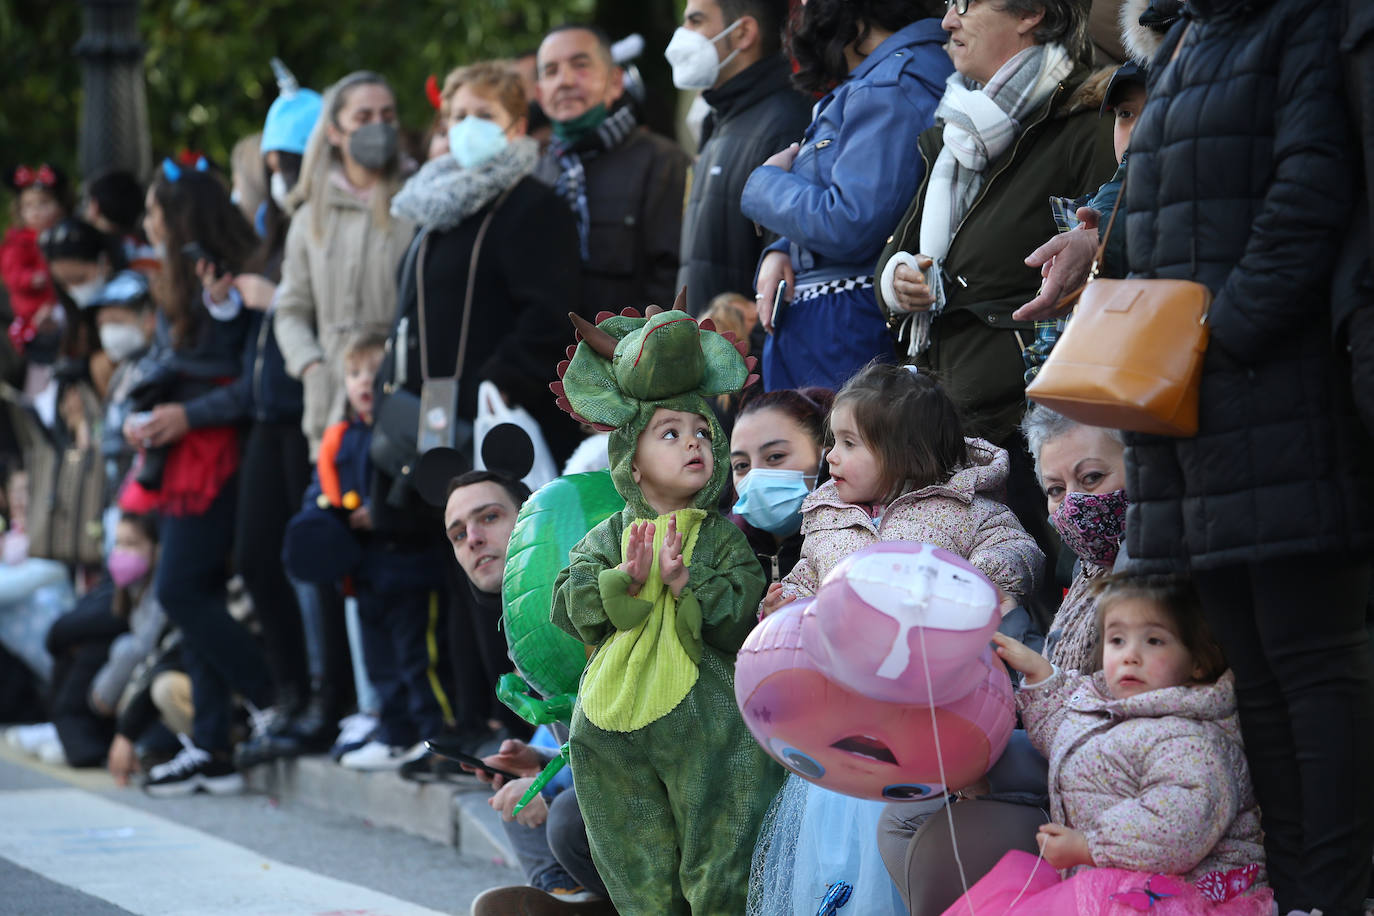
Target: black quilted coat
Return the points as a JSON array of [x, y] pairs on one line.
[[1240, 178]]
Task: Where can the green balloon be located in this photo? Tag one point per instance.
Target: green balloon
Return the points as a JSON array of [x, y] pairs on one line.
[[550, 524]]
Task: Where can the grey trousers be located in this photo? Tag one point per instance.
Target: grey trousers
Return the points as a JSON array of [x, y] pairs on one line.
[[918, 848]]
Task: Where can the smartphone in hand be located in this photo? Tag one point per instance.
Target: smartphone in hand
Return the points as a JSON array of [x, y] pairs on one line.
[[194, 252], [451, 751], [780, 303]]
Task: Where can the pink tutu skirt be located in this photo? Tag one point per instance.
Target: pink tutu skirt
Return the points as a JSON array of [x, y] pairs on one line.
[[1023, 885]]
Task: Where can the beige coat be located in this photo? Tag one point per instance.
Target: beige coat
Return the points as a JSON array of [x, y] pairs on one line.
[[333, 286]]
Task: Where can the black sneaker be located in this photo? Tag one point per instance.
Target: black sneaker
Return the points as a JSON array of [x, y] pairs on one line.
[[191, 771]]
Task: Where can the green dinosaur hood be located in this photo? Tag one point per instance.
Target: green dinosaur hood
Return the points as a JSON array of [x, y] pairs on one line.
[[625, 440], [627, 366]]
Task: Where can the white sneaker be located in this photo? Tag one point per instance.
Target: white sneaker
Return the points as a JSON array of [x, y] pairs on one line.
[[375, 756], [52, 754], [354, 732], [29, 738]]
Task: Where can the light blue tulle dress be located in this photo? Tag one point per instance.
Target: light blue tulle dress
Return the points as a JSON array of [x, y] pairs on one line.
[[812, 838]]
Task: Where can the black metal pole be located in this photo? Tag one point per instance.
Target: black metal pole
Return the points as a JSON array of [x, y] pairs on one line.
[[114, 116]]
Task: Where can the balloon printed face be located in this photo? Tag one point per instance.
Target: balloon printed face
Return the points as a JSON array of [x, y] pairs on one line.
[[879, 606], [854, 742]]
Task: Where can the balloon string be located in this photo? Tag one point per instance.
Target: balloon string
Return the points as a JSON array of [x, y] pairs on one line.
[[940, 761]]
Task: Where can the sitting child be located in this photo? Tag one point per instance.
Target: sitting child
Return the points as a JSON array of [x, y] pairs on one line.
[[396, 581], [1148, 777]]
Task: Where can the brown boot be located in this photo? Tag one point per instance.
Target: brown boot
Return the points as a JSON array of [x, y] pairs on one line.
[[530, 901]]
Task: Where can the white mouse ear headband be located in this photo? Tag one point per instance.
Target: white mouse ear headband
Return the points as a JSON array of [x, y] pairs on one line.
[[912, 368]]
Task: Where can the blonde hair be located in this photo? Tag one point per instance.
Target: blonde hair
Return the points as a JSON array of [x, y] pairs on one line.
[[730, 312], [498, 79], [321, 157], [249, 174]]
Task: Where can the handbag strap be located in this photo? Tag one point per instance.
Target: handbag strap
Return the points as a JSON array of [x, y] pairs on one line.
[[467, 297]]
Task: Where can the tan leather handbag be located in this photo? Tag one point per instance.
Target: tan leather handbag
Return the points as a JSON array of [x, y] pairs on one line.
[[1131, 356]]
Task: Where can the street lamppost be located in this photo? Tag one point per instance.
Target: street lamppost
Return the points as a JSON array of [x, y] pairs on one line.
[[114, 117]]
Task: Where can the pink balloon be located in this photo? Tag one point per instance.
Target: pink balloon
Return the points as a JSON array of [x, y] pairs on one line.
[[855, 744], [903, 622]]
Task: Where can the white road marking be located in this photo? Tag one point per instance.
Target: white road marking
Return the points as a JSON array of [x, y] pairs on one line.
[[151, 866]]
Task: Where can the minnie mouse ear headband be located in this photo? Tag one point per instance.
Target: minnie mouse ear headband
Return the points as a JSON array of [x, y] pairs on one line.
[[44, 176], [173, 170], [505, 448]]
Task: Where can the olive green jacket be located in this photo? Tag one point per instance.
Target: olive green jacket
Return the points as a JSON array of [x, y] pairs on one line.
[[1065, 150]]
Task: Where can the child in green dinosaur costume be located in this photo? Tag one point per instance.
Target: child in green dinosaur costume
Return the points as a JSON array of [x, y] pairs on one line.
[[671, 785]]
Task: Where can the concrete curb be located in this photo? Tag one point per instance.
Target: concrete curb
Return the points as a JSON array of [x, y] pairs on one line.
[[448, 813]]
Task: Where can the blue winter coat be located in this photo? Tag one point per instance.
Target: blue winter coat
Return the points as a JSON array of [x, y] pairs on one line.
[[858, 166]]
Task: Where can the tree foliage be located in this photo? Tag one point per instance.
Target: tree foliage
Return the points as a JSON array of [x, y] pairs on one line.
[[206, 63]]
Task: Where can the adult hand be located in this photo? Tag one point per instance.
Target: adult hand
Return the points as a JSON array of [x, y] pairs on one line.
[[639, 555], [509, 795], [217, 288], [909, 284], [776, 266], [671, 567], [784, 159], [167, 424], [1063, 847], [775, 598], [1064, 263], [122, 760], [1019, 658], [257, 292]]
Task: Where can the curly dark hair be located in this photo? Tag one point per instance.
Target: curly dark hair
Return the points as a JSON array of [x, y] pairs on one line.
[[822, 29]]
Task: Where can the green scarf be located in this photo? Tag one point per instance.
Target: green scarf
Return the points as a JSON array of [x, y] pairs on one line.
[[570, 132]]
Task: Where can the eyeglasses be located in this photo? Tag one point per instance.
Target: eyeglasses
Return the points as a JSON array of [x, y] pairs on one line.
[[959, 6]]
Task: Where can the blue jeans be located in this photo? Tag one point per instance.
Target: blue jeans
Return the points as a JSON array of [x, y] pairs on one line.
[[221, 657]]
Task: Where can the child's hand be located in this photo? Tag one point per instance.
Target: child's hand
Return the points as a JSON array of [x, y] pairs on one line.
[[639, 551], [360, 519], [670, 565], [1033, 665], [1064, 847], [775, 598], [509, 795]]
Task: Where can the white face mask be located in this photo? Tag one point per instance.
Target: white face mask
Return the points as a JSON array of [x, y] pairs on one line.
[[120, 341], [83, 294], [278, 187], [693, 58]]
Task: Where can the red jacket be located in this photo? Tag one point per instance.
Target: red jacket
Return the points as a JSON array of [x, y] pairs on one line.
[[20, 263]]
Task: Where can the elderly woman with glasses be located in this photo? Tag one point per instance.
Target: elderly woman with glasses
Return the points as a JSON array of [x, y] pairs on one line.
[[1018, 124]]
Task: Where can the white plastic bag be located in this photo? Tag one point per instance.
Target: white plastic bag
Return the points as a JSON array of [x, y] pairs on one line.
[[491, 412]]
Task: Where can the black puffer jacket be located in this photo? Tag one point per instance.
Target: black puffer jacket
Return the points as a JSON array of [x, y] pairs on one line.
[[1240, 178], [754, 115]]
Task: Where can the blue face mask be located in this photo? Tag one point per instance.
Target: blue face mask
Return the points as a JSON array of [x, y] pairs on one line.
[[770, 500], [474, 140]]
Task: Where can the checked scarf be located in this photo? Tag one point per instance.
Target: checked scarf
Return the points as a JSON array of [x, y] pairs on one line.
[[572, 179], [979, 126]]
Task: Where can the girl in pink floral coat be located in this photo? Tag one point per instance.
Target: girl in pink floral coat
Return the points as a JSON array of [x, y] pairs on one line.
[[901, 470], [1150, 795]]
